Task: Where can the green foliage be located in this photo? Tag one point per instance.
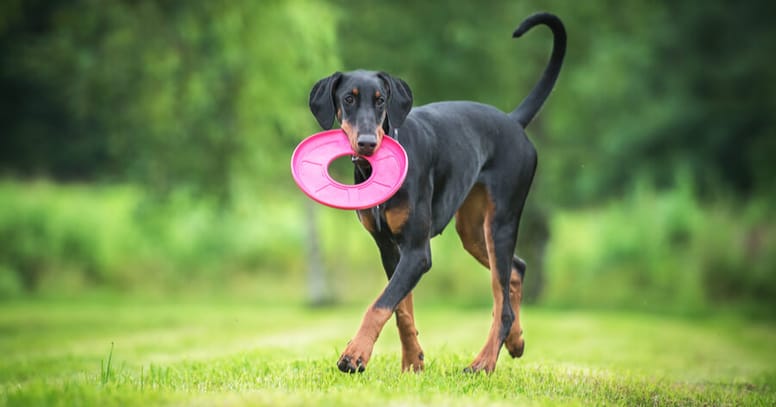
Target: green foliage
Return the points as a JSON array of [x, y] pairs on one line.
[[187, 114], [73, 238], [66, 239], [210, 96], [650, 89], [662, 251], [470, 48], [647, 89], [190, 96], [10, 284], [47, 228]]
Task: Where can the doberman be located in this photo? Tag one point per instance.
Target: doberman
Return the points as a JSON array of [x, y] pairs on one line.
[[467, 160]]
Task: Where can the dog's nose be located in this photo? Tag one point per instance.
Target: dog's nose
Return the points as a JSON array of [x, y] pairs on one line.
[[366, 144]]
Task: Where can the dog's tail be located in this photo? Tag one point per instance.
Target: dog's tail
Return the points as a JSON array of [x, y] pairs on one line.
[[528, 108]]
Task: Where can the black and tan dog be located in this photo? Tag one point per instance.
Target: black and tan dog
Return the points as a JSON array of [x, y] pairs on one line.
[[467, 160]]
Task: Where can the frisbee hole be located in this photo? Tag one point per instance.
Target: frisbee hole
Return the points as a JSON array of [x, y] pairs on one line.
[[341, 169]]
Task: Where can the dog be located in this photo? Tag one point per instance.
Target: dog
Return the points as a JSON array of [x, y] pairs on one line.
[[467, 160]]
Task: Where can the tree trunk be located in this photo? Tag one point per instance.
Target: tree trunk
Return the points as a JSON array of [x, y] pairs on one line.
[[317, 289]]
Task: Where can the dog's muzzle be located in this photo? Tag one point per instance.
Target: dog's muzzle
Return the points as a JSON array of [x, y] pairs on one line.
[[366, 144]]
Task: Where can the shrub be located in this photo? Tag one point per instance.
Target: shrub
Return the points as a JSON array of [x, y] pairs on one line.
[[71, 237], [44, 227], [662, 251]]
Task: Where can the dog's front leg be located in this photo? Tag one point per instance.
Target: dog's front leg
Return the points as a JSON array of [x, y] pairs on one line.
[[359, 349], [412, 264]]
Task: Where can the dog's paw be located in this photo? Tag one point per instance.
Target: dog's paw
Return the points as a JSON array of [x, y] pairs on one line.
[[355, 357], [486, 360], [412, 362], [487, 366], [515, 345], [347, 365]]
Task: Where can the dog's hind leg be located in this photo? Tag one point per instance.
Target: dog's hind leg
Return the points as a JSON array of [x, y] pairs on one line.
[[499, 239], [469, 221], [490, 238]]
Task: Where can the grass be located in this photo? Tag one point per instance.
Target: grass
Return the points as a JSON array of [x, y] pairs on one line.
[[124, 352]]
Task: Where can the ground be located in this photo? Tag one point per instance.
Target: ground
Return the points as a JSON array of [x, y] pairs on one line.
[[130, 352]]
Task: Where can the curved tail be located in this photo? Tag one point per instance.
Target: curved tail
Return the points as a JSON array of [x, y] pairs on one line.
[[528, 108]]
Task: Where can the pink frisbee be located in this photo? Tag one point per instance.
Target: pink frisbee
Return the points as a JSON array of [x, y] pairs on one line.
[[310, 168]]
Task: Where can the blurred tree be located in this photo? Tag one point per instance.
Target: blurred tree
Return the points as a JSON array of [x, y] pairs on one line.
[[203, 95], [454, 50], [727, 130], [190, 95], [654, 89], [649, 89], [37, 132]]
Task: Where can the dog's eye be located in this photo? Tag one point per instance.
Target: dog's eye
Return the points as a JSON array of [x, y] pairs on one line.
[[380, 101], [349, 99]]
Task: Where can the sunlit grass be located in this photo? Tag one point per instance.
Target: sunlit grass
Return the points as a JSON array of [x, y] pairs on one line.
[[55, 353]]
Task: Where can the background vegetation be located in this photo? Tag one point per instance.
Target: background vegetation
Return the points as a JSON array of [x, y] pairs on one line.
[[144, 147]]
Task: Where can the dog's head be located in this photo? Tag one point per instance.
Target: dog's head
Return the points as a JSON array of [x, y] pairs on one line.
[[365, 103]]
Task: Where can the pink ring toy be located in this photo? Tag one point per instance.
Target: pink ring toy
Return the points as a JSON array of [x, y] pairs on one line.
[[310, 169]]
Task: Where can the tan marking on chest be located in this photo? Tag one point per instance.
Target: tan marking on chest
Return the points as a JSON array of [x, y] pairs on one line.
[[367, 220], [396, 217]]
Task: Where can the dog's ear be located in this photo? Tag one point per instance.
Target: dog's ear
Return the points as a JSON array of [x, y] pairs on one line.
[[322, 100], [399, 99]]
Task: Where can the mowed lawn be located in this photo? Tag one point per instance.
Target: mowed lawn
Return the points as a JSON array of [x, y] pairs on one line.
[[228, 353]]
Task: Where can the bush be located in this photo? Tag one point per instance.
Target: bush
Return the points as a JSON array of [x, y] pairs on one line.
[[662, 251], [69, 238], [45, 227]]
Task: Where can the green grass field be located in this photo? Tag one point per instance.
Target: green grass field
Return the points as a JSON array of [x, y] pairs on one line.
[[229, 353]]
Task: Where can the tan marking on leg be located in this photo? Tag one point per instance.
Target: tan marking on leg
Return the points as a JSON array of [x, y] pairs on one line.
[[359, 350], [515, 343], [469, 221], [411, 352], [486, 359], [396, 217]]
